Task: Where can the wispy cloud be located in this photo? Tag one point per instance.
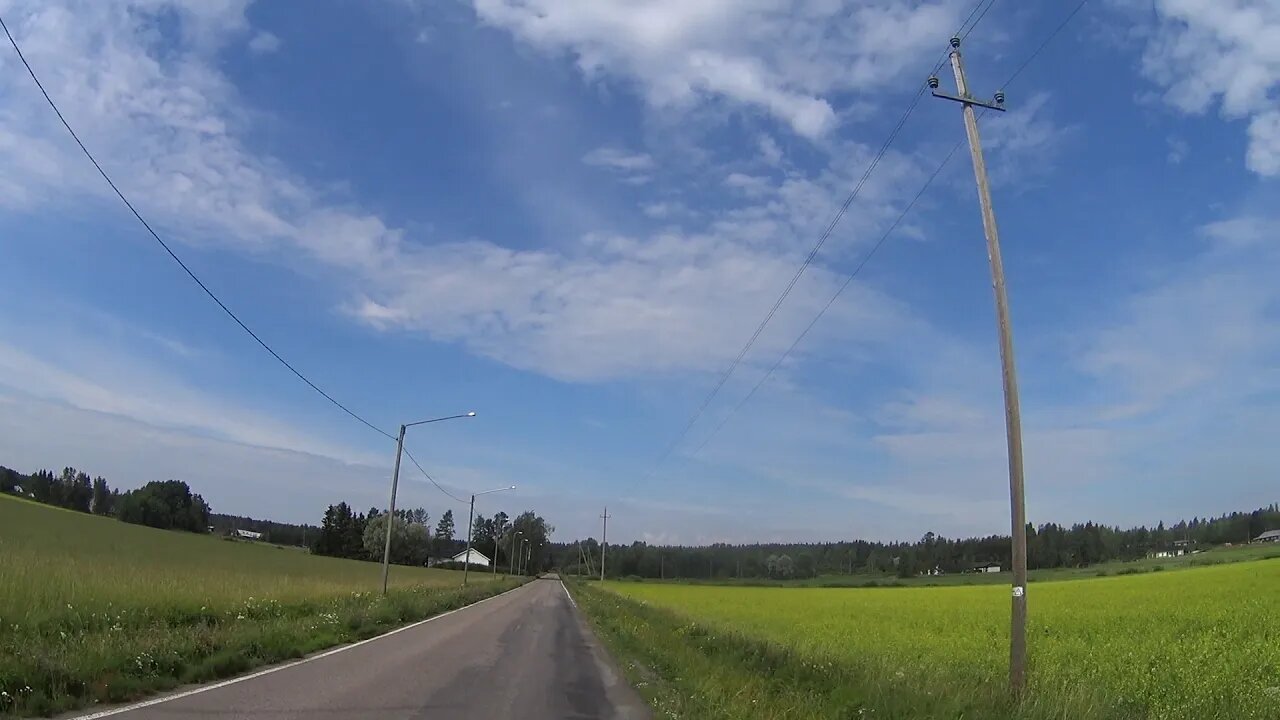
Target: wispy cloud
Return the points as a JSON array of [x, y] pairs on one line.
[[1222, 53], [618, 159], [783, 58], [607, 305], [264, 43]]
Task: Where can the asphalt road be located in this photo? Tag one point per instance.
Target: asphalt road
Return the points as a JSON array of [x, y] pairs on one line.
[[527, 654]]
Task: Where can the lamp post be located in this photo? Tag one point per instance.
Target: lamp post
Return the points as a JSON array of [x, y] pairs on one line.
[[466, 563], [395, 481], [515, 534]]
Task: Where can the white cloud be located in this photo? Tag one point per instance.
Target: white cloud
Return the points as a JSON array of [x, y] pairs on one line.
[[621, 306], [1264, 143], [119, 386], [241, 478], [662, 210], [165, 122], [785, 57], [770, 152], [1206, 330], [1225, 52], [264, 43], [1178, 150], [618, 159]]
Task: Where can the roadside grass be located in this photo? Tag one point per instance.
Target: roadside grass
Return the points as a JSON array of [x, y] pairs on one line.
[[1163, 646], [94, 610]]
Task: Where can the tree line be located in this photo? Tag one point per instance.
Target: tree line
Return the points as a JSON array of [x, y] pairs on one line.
[[168, 504], [1049, 546], [274, 532], [343, 532]]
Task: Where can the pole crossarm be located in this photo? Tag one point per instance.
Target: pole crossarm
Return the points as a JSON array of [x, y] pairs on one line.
[[990, 105]]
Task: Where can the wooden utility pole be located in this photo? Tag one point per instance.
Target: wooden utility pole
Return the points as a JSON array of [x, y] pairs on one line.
[[1012, 413], [604, 539]]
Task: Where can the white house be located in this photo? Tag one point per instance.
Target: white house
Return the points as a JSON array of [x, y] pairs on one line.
[[991, 567], [476, 558], [1268, 536], [249, 534]]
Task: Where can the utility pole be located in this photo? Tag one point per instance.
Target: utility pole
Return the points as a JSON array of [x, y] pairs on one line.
[[1012, 412], [497, 550], [391, 510], [604, 540], [514, 534], [466, 559]]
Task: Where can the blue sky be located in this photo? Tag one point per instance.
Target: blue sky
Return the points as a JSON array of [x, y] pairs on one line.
[[570, 218]]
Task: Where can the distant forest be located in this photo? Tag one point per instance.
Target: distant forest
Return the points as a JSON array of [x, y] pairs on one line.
[[172, 505], [1048, 546]]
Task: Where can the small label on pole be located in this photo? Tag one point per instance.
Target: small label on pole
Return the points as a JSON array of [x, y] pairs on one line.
[[1019, 591]]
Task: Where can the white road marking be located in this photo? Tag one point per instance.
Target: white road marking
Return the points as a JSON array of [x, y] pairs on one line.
[[278, 668], [566, 594]]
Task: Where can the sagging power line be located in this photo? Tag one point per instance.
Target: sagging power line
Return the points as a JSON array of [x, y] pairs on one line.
[[191, 273], [876, 247], [173, 255], [966, 27]]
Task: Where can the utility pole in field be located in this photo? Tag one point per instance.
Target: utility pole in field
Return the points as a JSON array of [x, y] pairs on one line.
[[604, 539], [1012, 412]]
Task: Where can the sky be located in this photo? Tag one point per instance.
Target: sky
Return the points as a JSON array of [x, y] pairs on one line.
[[571, 217]]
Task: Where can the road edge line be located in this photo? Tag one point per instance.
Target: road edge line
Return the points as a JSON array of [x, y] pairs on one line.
[[284, 666], [565, 588]]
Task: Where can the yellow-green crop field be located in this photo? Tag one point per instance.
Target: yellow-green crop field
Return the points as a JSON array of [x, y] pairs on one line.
[[95, 610], [1193, 644]]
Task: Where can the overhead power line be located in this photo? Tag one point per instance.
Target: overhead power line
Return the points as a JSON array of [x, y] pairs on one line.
[[985, 10], [191, 274], [428, 476], [795, 278], [822, 239], [231, 314], [848, 281], [1046, 42], [1056, 31]]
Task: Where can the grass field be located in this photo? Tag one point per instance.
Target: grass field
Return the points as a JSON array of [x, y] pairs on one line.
[[1200, 643], [95, 610]]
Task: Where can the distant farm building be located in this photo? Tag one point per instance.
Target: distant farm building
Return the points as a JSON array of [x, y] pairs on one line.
[[990, 567], [475, 558], [248, 535], [1166, 553], [1268, 536]]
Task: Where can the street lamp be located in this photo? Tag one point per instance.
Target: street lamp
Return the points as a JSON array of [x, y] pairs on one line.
[[515, 534], [466, 563], [523, 544], [395, 481]]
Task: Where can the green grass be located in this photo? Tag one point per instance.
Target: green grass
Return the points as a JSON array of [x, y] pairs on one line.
[[1204, 643], [96, 610]]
